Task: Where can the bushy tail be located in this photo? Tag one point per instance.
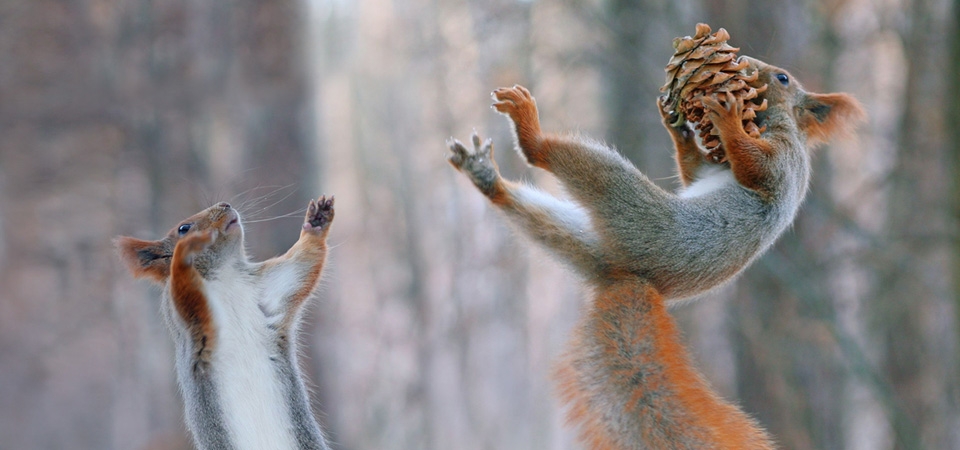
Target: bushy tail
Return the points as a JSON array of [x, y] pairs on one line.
[[629, 384]]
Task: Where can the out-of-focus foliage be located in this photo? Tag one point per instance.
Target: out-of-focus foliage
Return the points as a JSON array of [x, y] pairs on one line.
[[437, 324]]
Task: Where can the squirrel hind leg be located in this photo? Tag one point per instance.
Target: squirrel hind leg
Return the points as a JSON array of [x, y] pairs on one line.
[[627, 362]]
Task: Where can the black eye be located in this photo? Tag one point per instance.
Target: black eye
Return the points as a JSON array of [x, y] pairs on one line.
[[183, 229], [783, 78]]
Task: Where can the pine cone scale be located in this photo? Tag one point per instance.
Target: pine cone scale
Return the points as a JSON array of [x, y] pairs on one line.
[[706, 64]]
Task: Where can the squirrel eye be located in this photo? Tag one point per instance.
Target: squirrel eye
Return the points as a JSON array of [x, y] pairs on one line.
[[783, 78], [183, 229]]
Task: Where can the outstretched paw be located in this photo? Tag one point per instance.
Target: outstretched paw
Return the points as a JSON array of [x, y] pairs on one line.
[[478, 164], [517, 103], [319, 215]]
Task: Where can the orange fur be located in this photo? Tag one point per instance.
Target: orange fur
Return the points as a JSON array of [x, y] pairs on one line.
[[145, 259], [628, 340], [499, 195], [829, 115], [748, 156], [520, 105], [186, 290]]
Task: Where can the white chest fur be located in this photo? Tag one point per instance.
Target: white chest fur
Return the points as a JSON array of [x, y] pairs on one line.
[[708, 180], [256, 414]]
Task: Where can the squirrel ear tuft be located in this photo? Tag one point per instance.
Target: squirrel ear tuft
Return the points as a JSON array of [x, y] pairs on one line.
[[145, 259], [825, 116]]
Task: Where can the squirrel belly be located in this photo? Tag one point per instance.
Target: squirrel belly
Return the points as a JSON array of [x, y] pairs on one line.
[[245, 368], [687, 244]]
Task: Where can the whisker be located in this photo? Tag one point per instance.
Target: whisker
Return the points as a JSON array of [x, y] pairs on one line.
[[255, 201], [242, 202], [274, 203], [252, 207], [296, 213]]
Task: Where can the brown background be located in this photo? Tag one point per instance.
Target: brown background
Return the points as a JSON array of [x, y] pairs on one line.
[[436, 326]]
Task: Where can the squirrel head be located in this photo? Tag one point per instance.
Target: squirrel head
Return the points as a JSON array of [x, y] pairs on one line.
[[151, 259], [819, 117]]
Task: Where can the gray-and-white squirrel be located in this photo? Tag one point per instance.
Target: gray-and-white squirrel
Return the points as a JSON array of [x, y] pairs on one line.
[[626, 377], [234, 323]]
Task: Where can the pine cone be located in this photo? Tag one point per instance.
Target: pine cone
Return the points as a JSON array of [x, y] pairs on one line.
[[705, 65]]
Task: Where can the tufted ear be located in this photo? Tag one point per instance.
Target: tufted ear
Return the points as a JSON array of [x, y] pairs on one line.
[[145, 259], [825, 116]]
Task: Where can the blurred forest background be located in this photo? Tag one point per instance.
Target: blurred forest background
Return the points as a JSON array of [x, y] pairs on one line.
[[437, 324]]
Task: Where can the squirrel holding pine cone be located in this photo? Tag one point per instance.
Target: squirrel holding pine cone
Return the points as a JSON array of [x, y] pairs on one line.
[[627, 378]]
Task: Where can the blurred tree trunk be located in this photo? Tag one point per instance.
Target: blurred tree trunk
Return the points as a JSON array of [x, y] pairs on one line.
[[633, 71], [953, 149], [124, 118], [443, 370], [916, 192], [627, 19]]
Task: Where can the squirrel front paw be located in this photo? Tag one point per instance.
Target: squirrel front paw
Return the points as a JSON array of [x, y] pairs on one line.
[[727, 118], [319, 215], [516, 102], [478, 164], [671, 121], [195, 243], [519, 105]]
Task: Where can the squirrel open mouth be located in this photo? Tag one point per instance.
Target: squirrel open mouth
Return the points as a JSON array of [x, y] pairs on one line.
[[231, 223]]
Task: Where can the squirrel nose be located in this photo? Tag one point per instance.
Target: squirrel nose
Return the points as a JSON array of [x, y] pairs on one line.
[[224, 205]]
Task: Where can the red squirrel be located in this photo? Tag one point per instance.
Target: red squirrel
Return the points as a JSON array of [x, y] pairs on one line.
[[234, 323], [626, 377]]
